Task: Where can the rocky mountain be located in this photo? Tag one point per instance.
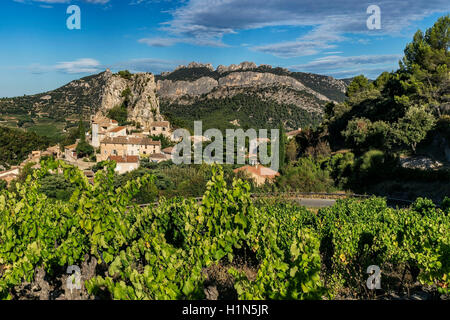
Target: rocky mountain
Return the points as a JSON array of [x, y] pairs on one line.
[[246, 93], [140, 91], [197, 79], [294, 98], [90, 95]]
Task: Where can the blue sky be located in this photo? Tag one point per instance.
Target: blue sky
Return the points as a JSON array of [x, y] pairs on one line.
[[39, 53]]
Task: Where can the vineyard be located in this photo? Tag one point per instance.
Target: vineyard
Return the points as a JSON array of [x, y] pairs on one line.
[[227, 246]]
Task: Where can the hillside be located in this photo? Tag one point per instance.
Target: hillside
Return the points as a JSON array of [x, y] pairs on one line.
[[16, 145], [245, 95], [54, 112], [238, 95], [331, 88], [81, 96]]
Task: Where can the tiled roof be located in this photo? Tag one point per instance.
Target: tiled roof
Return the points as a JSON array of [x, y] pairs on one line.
[[148, 141], [124, 159], [72, 146], [167, 150], [160, 124], [293, 133], [117, 129], [8, 174], [157, 156], [103, 121], [9, 177], [258, 170]]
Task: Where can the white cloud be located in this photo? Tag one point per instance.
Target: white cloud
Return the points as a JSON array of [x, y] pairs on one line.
[[170, 41], [85, 65], [155, 66], [294, 48], [208, 21], [341, 66], [89, 65]]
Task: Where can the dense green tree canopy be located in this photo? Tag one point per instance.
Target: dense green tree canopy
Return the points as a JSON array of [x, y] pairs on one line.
[[398, 110], [16, 145]]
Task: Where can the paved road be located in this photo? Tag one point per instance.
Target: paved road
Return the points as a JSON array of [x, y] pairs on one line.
[[316, 203]]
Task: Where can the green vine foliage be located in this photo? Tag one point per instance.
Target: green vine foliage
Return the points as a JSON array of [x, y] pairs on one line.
[[357, 234], [162, 251]]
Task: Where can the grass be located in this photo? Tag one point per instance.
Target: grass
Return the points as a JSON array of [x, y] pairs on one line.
[[53, 131], [45, 127]]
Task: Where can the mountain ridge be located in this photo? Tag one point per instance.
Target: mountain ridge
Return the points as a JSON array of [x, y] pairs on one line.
[[192, 86]]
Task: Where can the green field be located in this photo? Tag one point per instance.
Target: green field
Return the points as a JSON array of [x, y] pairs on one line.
[[45, 127]]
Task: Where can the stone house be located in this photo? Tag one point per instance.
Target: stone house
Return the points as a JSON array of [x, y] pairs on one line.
[[160, 127], [70, 153], [35, 156], [117, 132], [127, 146], [100, 127], [159, 157], [10, 175]]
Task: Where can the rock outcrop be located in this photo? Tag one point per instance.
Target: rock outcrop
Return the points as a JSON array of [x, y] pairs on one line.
[[176, 89], [186, 85], [267, 83], [240, 67], [143, 103]]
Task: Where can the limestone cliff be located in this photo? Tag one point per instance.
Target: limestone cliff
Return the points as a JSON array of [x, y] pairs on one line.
[[306, 91], [91, 95], [143, 105]]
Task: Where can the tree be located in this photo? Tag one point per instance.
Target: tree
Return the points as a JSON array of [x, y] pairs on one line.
[[398, 109], [119, 113], [357, 132], [426, 63], [329, 110], [165, 142], [70, 138], [413, 127], [83, 148], [125, 74], [16, 145], [292, 150], [360, 83], [56, 186], [3, 185], [126, 94]]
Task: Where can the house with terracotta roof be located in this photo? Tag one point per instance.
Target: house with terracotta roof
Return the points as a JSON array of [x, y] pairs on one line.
[[167, 150], [258, 173], [36, 155], [158, 157], [117, 132], [70, 153], [10, 175], [294, 133], [125, 163], [102, 127]]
